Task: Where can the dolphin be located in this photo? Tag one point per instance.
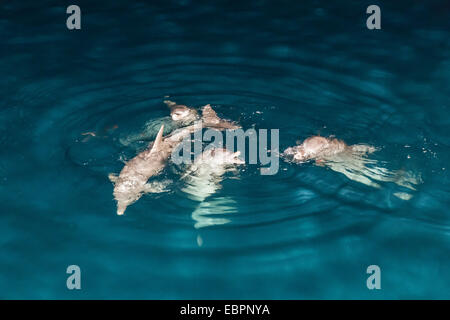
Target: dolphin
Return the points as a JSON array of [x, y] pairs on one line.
[[132, 182], [203, 179], [318, 148], [212, 120], [350, 160], [181, 113]]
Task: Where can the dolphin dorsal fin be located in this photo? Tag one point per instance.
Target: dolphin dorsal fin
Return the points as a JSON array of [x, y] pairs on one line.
[[209, 115], [157, 144]]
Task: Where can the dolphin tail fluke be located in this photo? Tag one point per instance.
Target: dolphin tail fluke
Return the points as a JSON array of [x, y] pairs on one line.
[[157, 144]]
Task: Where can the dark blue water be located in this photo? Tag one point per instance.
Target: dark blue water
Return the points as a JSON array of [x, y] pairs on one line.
[[304, 68]]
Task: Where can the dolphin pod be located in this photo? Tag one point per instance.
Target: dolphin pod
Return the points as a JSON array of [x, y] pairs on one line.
[[132, 181], [350, 160]]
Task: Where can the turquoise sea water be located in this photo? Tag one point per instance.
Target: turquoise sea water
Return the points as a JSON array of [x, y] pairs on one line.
[[303, 68]]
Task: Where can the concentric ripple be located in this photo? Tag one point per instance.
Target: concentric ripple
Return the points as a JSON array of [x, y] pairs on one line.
[[297, 193]]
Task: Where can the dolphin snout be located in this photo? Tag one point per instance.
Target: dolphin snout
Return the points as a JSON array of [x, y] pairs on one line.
[[121, 209]]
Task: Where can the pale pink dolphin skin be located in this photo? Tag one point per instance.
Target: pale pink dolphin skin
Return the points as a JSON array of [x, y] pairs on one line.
[[180, 112], [214, 162], [203, 178], [317, 147], [132, 182]]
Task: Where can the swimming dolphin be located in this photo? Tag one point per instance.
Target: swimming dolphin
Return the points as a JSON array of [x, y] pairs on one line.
[[203, 179], [318, 148], [132, 182], [351, 161]]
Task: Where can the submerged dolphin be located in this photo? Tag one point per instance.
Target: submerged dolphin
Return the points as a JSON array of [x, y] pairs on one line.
[[180, 116], [132, 182], [203, 179], [182, 113], [319, 148], [351, 161]]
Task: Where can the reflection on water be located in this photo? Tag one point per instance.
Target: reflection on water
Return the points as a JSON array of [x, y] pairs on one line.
[[357, 167], [149, 131], [305, 68]]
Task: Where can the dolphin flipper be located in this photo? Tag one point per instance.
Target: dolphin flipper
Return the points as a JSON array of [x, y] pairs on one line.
[[157, 143], [113, 177]]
